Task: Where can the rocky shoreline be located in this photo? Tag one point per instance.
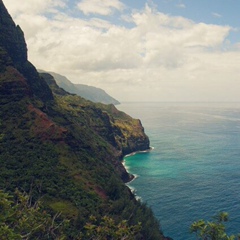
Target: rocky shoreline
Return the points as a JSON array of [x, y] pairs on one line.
[[133, 176]]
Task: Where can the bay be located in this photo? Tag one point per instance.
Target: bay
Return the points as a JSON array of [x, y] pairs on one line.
[[193, 172]]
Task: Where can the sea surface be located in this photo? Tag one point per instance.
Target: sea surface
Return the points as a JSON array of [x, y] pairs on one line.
[[193, 172]]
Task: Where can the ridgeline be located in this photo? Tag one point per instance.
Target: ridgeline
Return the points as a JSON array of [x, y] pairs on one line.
[[91, 93]]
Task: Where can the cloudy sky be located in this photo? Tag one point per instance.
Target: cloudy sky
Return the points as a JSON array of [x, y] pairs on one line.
[[138, 50]]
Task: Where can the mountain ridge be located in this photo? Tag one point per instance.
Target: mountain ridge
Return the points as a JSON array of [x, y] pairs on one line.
[[91, 93]]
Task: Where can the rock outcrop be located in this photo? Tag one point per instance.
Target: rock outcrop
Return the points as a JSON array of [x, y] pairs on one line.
[[12, 41]]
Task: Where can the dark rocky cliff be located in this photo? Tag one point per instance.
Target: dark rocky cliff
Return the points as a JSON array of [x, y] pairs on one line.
[[120, 130], [12, 37], [13, 42]]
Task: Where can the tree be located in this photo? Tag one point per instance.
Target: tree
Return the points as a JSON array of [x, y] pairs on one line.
[[22, 220], [108, 229], [214, 230], [19, 219]]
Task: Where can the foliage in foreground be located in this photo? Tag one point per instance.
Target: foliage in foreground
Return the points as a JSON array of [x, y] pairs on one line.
[[213, 230], [19, 219], [108, 229]]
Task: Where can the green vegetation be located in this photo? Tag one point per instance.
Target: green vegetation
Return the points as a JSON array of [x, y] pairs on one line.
[[74, 171], [20, 219], [60, 158], [213, 230], [108, 229]]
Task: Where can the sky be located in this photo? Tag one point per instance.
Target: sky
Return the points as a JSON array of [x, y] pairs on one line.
[[138, 50]]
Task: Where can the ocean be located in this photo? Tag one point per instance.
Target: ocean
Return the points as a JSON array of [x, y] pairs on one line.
[[193, 172]]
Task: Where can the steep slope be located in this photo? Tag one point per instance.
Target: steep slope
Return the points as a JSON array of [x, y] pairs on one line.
[[116, 127], [123, 133], [62, 148], [91, 93], [12, 39]]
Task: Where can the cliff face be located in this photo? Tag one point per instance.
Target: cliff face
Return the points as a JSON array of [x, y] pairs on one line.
[[13, 85], [13, 42], [128, 132], [117, 128], [12, 37], [63, 148]]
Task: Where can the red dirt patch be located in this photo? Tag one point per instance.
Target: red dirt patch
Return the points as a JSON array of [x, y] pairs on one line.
[[101, 193], [45, 128]]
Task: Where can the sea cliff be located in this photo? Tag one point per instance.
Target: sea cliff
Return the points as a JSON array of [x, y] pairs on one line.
[[63, 148]]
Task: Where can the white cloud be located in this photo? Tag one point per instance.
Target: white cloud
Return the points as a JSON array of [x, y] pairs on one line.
[[181, 5], [217, 15], [102, 7], [159, 58], [28, 7]]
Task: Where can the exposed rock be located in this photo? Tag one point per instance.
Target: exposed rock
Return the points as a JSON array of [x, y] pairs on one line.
[[45, 128], [13, 43], [13, 85], [12, 37]]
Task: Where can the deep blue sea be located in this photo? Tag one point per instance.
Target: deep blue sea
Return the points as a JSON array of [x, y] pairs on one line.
[[193, 172]]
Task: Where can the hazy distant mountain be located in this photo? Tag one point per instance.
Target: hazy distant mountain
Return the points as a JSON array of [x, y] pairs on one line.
[[91, 93]]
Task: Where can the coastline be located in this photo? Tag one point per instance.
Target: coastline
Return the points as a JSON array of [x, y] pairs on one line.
[[134, 176], [132, 189], [136, 152]]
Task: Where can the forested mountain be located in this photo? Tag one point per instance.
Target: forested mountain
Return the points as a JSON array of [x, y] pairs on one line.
[[63, 149], [91, 93]]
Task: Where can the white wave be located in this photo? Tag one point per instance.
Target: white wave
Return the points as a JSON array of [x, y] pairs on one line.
[[137, 152], [134, 177], [134, 192]]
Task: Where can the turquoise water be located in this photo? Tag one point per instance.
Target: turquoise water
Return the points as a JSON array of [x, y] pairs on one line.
[[194, 170]]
